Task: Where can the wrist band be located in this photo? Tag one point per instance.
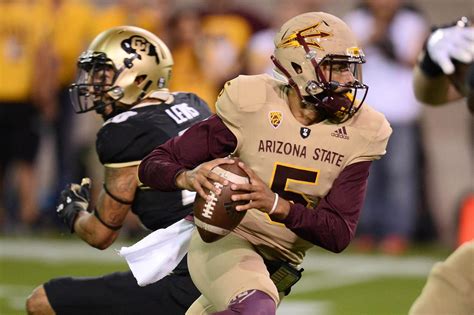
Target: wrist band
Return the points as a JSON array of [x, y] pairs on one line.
[[429, 67], [275, 203]]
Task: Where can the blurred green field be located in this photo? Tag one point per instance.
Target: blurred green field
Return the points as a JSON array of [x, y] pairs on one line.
[[332, 284]]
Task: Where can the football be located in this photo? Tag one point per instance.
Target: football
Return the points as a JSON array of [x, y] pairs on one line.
[[217, 217]]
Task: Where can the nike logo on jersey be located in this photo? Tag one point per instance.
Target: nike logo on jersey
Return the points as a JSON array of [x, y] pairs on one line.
[[340, 133], [181, 113]]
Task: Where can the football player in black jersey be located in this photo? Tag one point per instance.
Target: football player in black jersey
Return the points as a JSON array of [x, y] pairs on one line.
[[123, 76]]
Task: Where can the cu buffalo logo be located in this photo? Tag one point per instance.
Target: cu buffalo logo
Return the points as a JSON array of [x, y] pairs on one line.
[[138, 46], [275, 118]]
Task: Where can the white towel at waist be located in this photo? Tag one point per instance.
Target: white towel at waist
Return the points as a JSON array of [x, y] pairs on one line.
[[156, 255]]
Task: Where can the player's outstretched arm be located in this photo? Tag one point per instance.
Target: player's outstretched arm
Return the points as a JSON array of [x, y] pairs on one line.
[[444, 47], [100, 227]]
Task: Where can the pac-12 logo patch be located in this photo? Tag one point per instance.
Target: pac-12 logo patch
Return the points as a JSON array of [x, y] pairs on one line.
[[304, 132], [275, 118]]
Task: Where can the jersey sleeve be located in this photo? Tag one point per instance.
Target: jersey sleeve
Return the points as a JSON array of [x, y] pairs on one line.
[[125, 140], [115, 145]]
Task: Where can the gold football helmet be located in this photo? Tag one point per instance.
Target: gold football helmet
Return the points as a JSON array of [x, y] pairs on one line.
[[121, 66], [313, 53]]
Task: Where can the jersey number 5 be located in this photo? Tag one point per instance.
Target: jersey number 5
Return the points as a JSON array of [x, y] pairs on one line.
[[283, 175]]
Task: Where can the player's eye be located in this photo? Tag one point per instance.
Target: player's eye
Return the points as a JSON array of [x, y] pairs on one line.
[[341, 67]]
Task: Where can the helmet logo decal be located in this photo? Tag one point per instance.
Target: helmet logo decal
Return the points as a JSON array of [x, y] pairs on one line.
[[138, 45], [275, 118], [311, 36]]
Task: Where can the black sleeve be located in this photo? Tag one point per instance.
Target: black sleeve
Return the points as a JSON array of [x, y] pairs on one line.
[[127, 142]]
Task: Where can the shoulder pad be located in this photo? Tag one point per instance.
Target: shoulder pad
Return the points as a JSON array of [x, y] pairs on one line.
[[375, 128], [111, 142], [245, 93], [368, 121]]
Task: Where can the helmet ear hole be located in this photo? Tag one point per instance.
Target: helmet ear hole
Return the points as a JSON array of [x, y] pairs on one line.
[[139, 79], [298, 69]]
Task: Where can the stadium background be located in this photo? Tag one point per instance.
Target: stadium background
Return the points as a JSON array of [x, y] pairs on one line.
[[347, 283]]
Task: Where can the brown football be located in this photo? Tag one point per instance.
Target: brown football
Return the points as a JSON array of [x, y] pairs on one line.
[[216, 218]]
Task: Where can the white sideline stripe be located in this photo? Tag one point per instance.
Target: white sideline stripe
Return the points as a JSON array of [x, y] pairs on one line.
[[343, 270], [56, 251], [369, 264]]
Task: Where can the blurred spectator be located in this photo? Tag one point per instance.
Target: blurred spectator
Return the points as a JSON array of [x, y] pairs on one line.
[[186, 40], [60, 13], [25, 83], [151, 15], [261, 46], [391, 34], [227, 28]]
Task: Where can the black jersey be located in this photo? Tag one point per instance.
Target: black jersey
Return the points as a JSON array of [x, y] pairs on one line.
[[128, 137]]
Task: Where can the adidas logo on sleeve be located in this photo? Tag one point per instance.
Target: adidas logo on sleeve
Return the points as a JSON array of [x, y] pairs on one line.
[[340, 133]]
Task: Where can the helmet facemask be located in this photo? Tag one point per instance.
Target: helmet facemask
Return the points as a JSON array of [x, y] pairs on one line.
[[330, 82], [95, 84]]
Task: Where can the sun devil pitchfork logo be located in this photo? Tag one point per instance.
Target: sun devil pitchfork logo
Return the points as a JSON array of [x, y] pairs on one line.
[[275, 118]]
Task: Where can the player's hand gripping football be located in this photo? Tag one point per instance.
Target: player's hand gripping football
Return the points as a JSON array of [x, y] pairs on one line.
[[202, 177], [455, 42], [259, 195], [74, 199]]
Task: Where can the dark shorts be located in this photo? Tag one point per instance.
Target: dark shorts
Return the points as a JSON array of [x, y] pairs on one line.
[[118, 293], [19, 132]]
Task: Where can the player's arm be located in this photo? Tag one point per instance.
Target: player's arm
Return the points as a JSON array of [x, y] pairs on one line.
[[331, 225], [165, 166], [436, 64], [100, 227], [434, 90]]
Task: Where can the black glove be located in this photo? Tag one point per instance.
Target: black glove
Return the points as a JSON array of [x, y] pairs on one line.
[[73, 199]]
